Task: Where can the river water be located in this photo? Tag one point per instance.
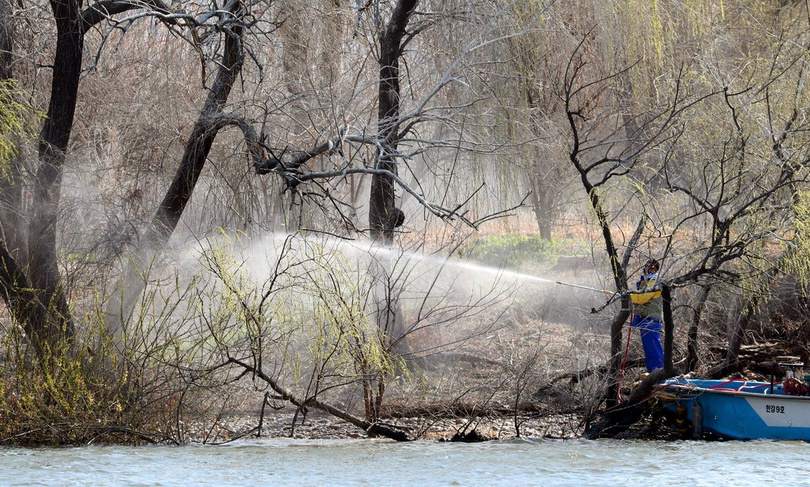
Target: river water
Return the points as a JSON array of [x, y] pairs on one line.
[[369, 462]]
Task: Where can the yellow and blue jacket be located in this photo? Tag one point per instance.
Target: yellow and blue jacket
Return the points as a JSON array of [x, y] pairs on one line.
[[646, 298]]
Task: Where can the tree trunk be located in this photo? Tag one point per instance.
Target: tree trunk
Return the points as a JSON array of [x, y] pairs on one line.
[[6, 38], [53, 143], [168, 214], [543, 191], [632, 129], [620, 281], [669, 328], [295, 34], [24, 304], [693, 355], [382, 214], [198, 147], [737, 333], [47, 319], [616, 328], [541, 211]]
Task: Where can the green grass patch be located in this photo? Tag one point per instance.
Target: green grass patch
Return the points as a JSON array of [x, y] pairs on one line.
[[515, 251]]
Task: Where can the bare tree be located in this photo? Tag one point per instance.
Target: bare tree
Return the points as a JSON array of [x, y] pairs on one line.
[[383, 216], [165, 219], [599, 155], [313, 315], [733, 195]]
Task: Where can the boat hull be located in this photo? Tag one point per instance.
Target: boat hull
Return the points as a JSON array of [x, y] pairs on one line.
[[745, 411]]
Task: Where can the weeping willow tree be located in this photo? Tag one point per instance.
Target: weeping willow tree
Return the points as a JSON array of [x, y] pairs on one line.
[[797, 261], [14, 114], [16, 127], [17, 119]]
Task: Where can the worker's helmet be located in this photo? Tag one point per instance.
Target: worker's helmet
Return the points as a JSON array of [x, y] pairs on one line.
[[652, 265]]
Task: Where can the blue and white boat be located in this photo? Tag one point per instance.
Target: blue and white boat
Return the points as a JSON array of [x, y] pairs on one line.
[[740, 409]]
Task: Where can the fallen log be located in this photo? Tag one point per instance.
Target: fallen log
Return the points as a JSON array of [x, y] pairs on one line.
[[372, 429], [459, 410]]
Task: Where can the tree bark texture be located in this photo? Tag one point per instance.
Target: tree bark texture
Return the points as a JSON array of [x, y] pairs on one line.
[[669, 327], [693, 354], [53, 143], [620, 280], [382, 214]]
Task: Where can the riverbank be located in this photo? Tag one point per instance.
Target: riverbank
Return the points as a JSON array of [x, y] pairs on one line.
[[462, 396], [319, 426]]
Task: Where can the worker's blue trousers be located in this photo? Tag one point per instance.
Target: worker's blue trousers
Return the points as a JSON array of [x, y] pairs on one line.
[[650, 329]]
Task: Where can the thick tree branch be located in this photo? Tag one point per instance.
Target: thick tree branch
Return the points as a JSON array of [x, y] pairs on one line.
[[105, 9]]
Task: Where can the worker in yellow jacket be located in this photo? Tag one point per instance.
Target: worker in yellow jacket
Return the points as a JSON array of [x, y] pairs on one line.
[[648, 314]]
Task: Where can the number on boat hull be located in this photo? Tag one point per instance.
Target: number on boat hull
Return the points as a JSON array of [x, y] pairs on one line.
[[774, 412]]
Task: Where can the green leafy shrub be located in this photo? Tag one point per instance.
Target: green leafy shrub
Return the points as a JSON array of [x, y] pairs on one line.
[[74, 395], [55, 400], [516, 251], [14, 122]]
